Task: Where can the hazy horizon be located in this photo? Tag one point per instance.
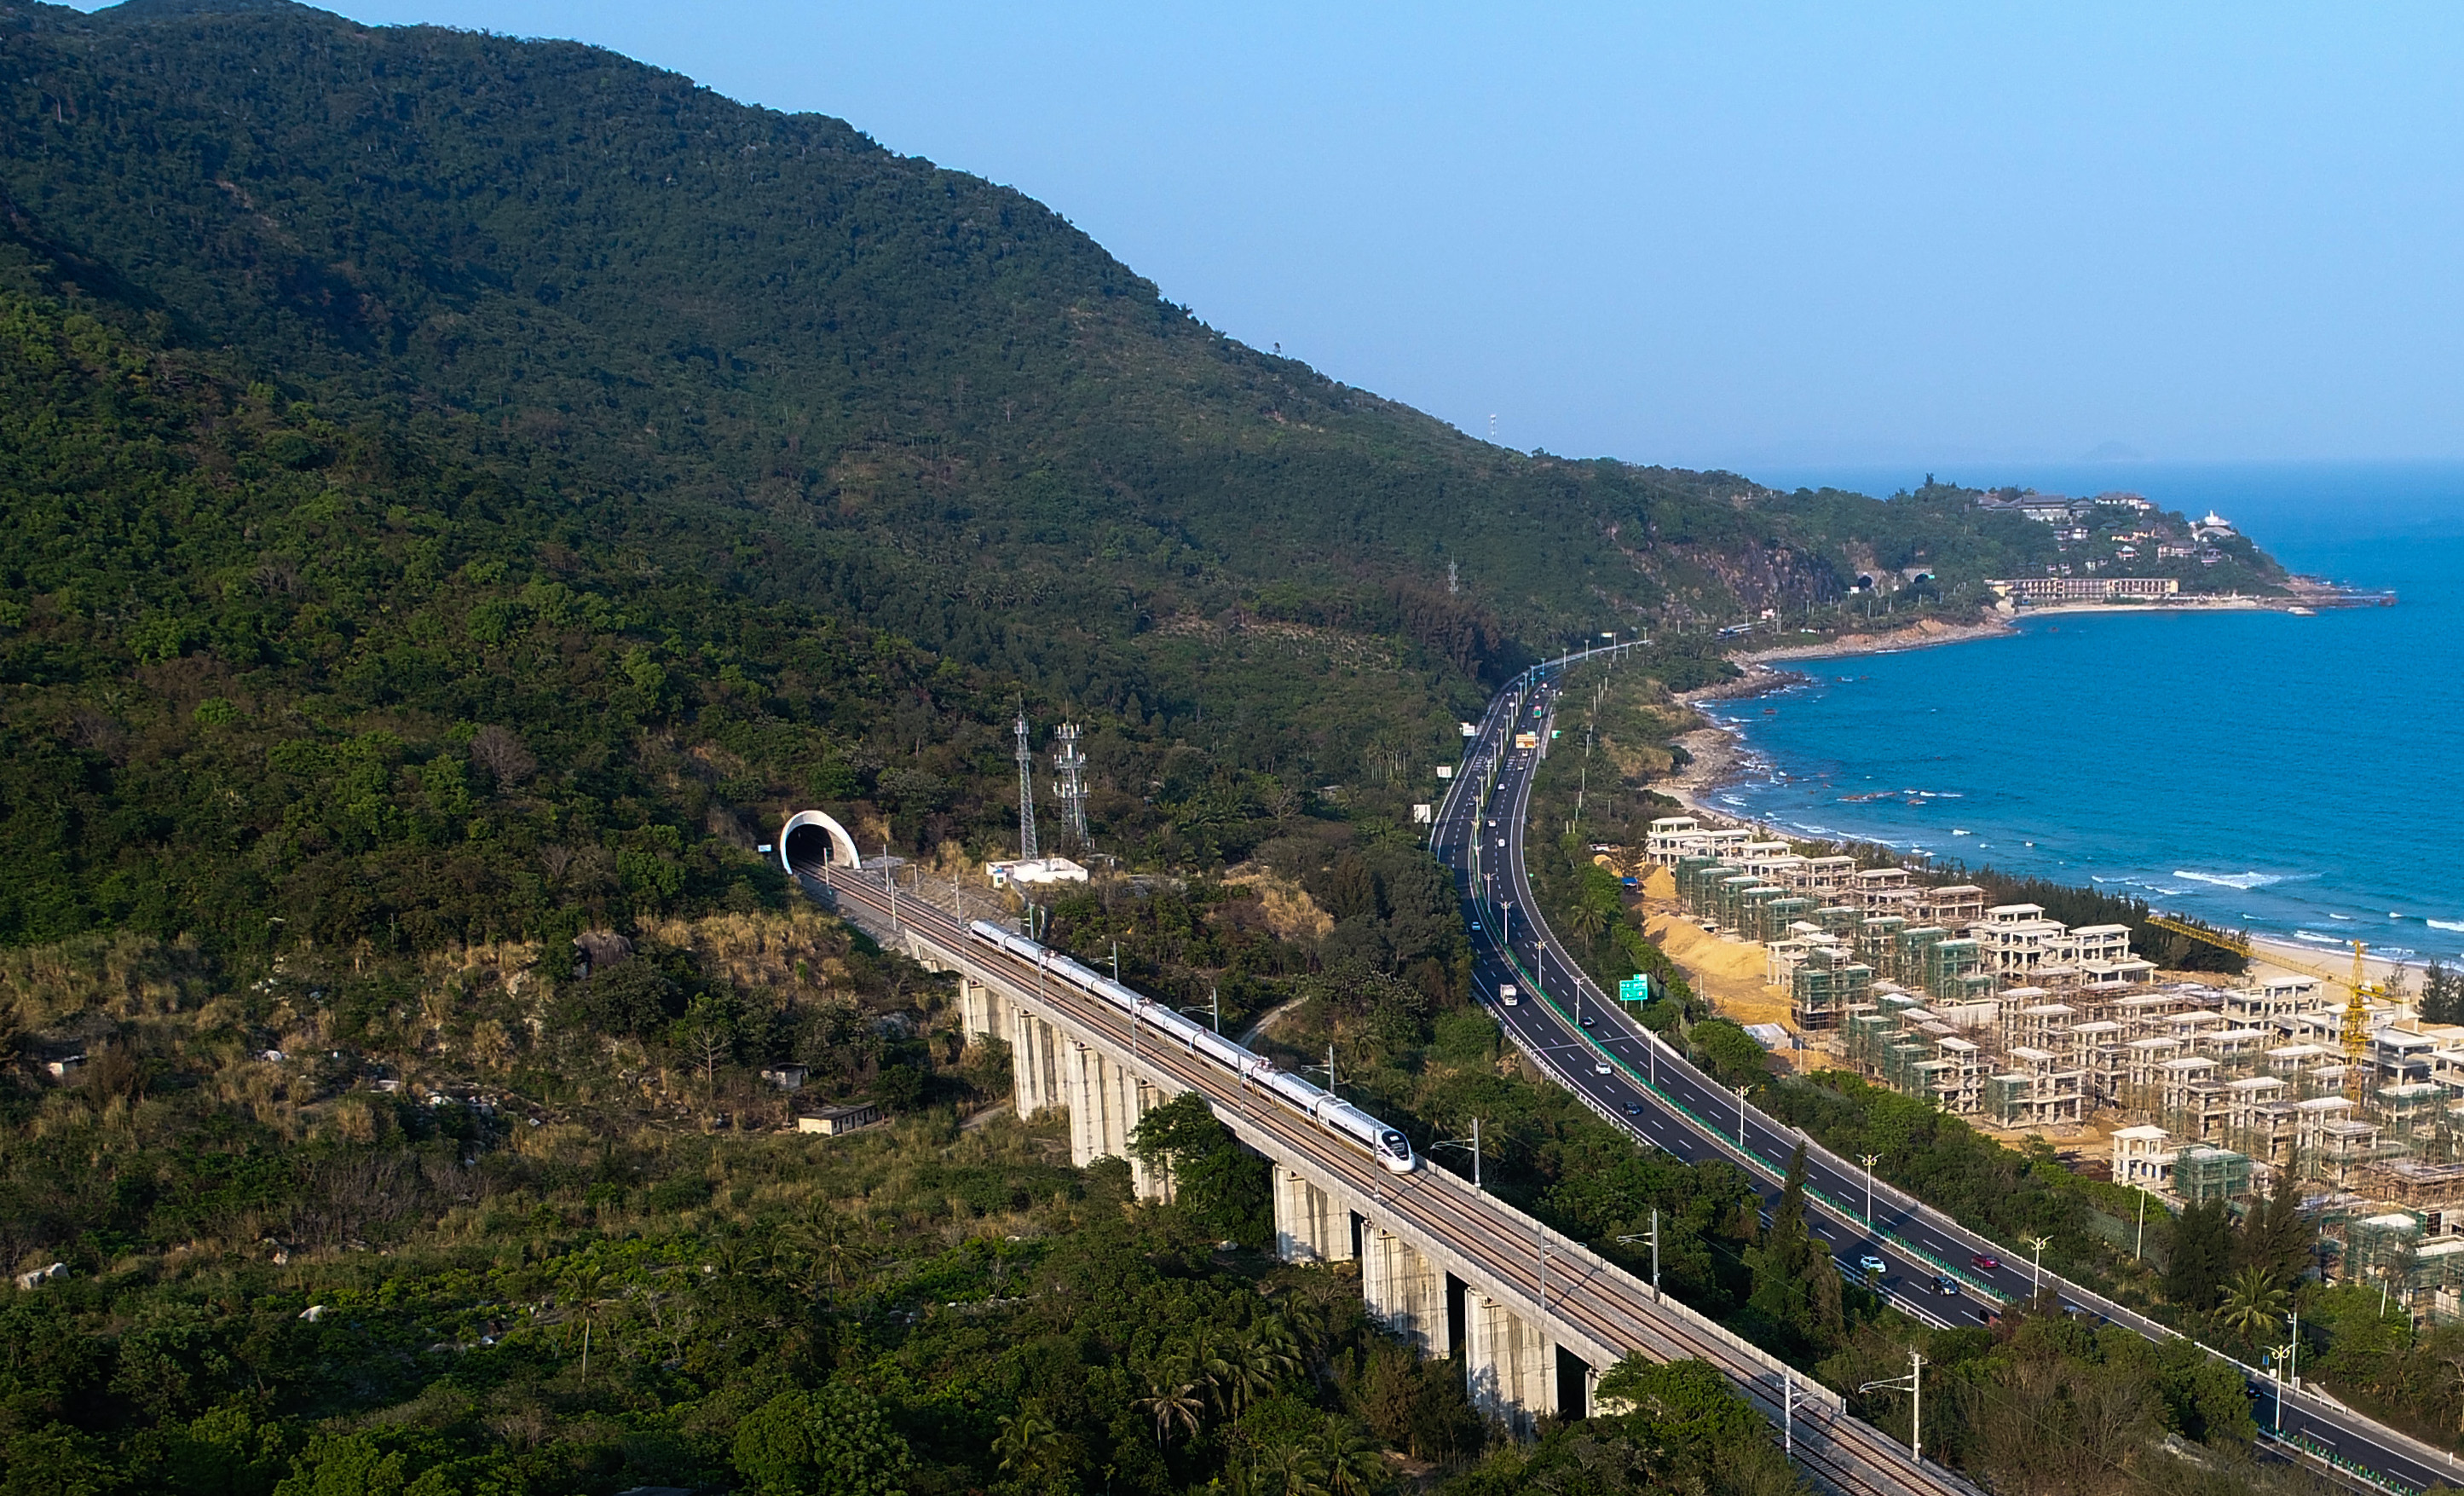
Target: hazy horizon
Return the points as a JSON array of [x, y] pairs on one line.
[[1762, 239]]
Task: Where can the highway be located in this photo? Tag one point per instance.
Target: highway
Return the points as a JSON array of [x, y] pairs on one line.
[[1933, 1268], [1562, 1280]]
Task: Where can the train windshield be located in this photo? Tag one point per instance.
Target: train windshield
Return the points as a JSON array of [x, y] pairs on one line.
[[1392, 1142]]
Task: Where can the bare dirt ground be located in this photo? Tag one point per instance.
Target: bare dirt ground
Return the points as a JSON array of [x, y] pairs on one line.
[[1728, 972]]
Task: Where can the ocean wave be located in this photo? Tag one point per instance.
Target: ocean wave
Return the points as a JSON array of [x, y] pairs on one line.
[[2316, 938], [2231, 880], [2444, 924], [2394, 953]]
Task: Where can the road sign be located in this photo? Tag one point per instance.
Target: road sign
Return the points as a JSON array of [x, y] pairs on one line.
[[1636, 988]]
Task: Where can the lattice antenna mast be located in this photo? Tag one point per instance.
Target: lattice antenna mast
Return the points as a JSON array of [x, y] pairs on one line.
[[1026, 847], [1071, 761]]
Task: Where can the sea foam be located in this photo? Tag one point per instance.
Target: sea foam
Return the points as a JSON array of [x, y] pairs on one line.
[[2231, 880]]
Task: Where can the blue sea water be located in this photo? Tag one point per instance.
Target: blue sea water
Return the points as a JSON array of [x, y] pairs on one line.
[[2292, 775]]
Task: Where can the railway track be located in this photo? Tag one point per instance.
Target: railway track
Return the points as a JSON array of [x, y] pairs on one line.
[[1562, 1280]]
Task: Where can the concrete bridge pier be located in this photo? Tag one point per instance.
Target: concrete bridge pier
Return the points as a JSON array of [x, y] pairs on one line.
[[1105, 1102], [982, 1011], [1310, 1225], [1405, 1291], [1509, 1363], [1034, 1063]]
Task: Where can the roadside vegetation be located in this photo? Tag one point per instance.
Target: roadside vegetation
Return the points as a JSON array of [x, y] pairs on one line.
[[2229, 1278]]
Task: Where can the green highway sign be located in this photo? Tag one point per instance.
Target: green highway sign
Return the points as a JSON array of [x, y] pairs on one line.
[[1634, 989]]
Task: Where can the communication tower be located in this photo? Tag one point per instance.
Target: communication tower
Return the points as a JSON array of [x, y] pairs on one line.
[[1071, 761], [1026, 848]]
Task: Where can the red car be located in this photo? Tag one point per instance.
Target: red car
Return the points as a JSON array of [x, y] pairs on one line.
[[1985, 1263]]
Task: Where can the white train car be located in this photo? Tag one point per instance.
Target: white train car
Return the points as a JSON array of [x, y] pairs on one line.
[[1387, 1145]]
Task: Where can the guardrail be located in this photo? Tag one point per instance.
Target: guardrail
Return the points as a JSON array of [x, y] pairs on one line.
[[1845, 1213], [2303, 1447], [1908, 1204]]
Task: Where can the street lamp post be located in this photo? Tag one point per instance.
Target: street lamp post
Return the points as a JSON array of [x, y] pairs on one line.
[[2293, 1364], [1870, 1159], [2041, 1242]]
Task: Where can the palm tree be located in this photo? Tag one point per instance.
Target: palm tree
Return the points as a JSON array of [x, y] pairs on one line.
[[1588, 920], [1255, 1362], [1308, 1321], [2254, 1302], [1351, 1463], [1208, 1366], [1293, 1467], [1172, 1401], [834, 1244], [1027, 1442], [586, 1289]]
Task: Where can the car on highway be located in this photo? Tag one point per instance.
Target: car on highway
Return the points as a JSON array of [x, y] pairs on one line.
[[1634, 1109], [1603, 1068], [1943, 1285], [1871, 1265], [1507, 995], [1589, 1020], [1984, 1262], [1474, 927]]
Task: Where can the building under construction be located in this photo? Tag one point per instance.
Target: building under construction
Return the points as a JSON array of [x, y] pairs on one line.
[[2008, 1016]]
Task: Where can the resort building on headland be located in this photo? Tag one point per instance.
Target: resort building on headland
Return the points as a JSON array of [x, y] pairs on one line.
[[2024, 591]]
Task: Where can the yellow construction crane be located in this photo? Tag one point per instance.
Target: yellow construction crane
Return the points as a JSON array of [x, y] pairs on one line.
[[2240, 945], [2357, 1025], [2360, 991]]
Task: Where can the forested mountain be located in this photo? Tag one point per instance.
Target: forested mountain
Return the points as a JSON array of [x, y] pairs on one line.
[[506, 473]]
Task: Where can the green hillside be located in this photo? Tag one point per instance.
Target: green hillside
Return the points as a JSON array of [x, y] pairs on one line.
[[467, 486]]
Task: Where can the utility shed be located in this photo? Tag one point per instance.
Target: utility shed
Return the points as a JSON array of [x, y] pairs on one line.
[[831, 1121]]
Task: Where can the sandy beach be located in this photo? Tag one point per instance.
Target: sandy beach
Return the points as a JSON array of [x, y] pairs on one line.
[[1716, 758], [2301, 958]]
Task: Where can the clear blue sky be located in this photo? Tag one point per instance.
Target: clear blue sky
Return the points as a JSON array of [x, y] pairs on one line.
[[1727, 234]]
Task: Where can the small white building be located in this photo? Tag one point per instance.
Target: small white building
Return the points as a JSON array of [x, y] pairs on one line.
[[832, 1121], [1038, 872]]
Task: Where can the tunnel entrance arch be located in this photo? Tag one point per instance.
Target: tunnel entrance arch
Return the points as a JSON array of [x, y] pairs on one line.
[[807, 828]]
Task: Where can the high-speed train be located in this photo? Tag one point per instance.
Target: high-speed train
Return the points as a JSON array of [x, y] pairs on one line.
[[1389, 1147]]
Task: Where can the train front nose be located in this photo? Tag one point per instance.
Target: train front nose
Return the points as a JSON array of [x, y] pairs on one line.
[[1394, 1150]]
